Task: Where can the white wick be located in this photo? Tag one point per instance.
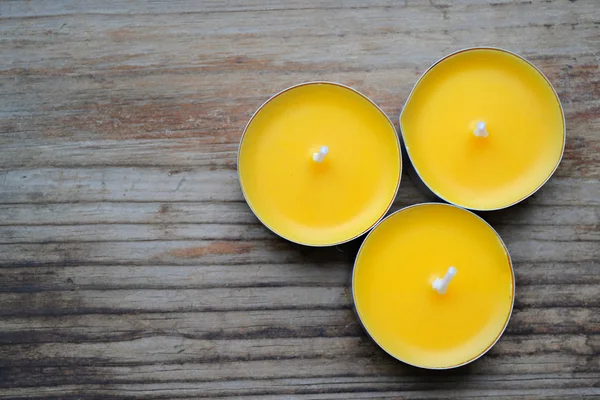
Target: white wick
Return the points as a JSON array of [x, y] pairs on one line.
[[320, 156], [441, 285], [480, 129]]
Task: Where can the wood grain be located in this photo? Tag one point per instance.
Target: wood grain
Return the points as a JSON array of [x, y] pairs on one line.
[[131, 267]]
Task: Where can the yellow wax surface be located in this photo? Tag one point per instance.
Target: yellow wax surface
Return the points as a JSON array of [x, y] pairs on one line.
[[523, 117], [394, 297], [323, 203]]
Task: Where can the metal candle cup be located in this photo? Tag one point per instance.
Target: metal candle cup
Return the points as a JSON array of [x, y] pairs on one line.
[[433, 285], [483, 129], [319, 164]]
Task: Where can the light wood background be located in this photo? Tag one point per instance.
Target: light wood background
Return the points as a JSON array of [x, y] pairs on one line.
[[131, 267]]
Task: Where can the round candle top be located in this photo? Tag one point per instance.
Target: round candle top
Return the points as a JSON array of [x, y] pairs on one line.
[[319, 164], [483, 128], [433, 285]]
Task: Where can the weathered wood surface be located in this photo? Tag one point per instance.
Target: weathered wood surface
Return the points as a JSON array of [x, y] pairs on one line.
[[131, 266]]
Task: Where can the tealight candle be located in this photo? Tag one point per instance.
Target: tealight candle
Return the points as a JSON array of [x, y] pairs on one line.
[[433, 285], [319, 164], [484, 128]]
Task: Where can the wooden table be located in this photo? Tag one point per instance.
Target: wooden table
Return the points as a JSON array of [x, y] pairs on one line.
[[133, 268]]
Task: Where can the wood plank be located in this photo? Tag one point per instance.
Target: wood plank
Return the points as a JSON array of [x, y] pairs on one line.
[[121, 184], [48, 7], [208, 325], [165, 231], [269, 251], [187, 147], [111, 277], [184, 143], [213, 31], [199, 252], [158, 185], [227, 231], [247, 298], [253, 325], [346, 369], [192, 152], [22, 215], [134, 213], [373, 23], [309, 273], [178, 349], [328, 388], [221, 299]]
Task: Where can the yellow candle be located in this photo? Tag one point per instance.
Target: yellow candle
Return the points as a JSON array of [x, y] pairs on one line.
[[483, 128], [433, 285], [319, 164]]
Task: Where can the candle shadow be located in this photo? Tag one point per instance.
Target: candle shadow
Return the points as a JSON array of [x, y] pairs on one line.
[[446, 379], [329, 255], [414, 177], [512, 213]]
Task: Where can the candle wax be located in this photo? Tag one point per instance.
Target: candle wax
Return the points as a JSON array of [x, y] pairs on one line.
[[405, 315], [522, 116], [327, 202]]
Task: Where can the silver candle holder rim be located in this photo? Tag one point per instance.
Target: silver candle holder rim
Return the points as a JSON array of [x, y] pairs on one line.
[[512, 273], [562, 113], [379, 219]]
